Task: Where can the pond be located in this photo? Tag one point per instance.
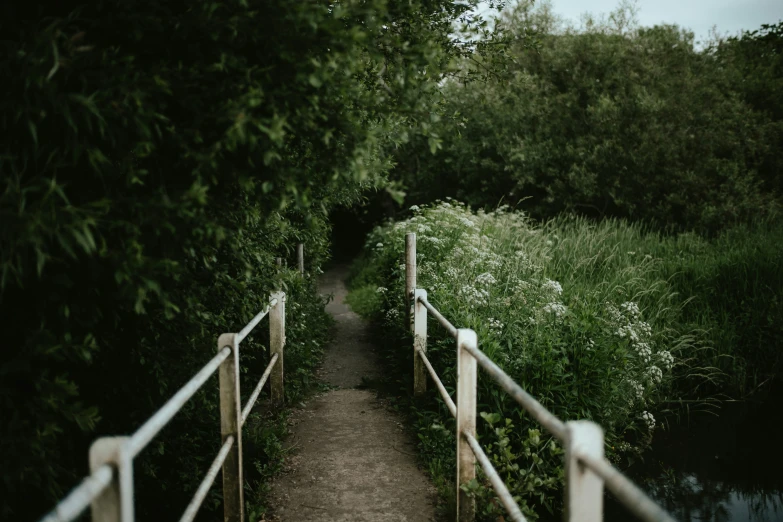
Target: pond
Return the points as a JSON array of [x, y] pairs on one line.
[[725, 468]]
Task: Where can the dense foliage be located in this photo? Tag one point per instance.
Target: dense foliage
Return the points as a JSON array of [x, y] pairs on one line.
[[605, 346], [156, 157], [613, 120], [606, 321]]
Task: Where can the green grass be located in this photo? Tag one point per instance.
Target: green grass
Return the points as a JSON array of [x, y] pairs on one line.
[[727, 289], [364, 300]]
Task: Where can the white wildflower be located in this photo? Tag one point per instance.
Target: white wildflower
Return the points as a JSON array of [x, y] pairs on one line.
[[552, 286], [648, 418], [654, 374], [644, 329], [644, 351], [628, 332], [631, 310], [666, 359], [381, 290], [486, 279], [638, 389], [557, 309], [415, 208]]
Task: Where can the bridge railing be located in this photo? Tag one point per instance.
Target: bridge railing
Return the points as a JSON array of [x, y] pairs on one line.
[[586, 469], [108, 490]]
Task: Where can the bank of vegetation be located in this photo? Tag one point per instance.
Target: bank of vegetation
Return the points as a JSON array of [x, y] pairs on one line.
[[604, 211], [155, 159]]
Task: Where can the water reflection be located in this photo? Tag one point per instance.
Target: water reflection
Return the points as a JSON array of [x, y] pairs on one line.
[[690, 498], [725, 469]]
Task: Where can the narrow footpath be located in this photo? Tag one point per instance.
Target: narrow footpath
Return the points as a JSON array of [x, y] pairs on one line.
[[353, 461]]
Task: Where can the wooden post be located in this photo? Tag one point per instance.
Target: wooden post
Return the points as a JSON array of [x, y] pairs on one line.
[[115, 503], [584, 489], [410, 273], [300, 257], [230, 426], [276, 345], [466, 422], [419, 343]]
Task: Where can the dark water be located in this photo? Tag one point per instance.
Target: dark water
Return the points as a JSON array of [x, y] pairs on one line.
[[724, 469]]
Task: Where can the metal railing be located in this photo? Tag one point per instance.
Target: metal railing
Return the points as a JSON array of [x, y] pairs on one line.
[[586, 469], [108, 490]]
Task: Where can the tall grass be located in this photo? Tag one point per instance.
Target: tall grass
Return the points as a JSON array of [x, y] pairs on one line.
[[726, 290], [602, 321]]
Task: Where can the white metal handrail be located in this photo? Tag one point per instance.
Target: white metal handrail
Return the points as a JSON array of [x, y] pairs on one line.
[[252, 400], [497, 483], [163, 416], [80, 497], [442, 389], [586, 468], [109, 488], [206, 483]]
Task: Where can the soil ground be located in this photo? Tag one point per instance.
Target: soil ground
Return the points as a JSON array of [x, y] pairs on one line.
[[353, 460]]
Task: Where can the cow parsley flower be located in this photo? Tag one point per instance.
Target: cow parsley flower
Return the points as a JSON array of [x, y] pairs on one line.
[[557, 309], [638, 389], [666, 359], [644, 351], [631, 310], [628, 332], [648, 418], [495, 324], [465, 221], [552, 286], [486, 279], [654, 374]]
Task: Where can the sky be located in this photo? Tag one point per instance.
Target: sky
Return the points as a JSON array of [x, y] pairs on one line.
[[730, 16]]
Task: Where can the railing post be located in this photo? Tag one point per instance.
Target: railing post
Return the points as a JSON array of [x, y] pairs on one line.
[[300, 257], [230, 425], [115, 503], [584, 489], [276, 345], [419, 342], [466, 422], [410, 273]]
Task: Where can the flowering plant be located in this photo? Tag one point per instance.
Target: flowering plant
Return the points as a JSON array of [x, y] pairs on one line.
[[583, 348]]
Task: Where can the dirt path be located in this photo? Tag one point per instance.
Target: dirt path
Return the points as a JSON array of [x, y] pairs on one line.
[[353, 461]]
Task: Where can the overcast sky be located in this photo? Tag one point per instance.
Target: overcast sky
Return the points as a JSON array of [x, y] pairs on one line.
[[730, 16]]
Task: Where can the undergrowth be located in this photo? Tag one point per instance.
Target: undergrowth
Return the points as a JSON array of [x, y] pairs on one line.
[[605, 321]]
